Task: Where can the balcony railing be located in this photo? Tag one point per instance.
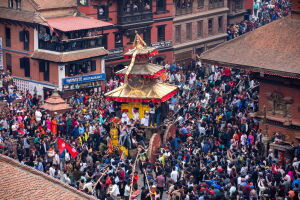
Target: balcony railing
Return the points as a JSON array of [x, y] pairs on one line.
[[183, 11], [135, 17], [74, 44]]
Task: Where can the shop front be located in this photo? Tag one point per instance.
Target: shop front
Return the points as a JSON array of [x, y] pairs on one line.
[[87, 83]]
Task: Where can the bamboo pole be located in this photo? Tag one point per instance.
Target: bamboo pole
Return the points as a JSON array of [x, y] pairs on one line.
[[134, 165], [146, 174]]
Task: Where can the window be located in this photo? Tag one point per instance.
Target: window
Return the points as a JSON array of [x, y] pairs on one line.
[[147, 36], [102, 12], [188, 31], [220, 24], [238, 5], [118, 40], [24, 37], [160, 5], [161, 33], [200, 3], [215, 4], [210, 26], [44, 67], [80, 68], [83, 2], [8, 61], [7, 37], [25, 64], [18, 4], [10, 3], [178, 34], [200, 28], [93, 65]]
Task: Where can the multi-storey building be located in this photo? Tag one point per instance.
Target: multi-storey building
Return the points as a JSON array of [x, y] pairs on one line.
[[237, 10], [198, 26], [152, 19], [50, 44]]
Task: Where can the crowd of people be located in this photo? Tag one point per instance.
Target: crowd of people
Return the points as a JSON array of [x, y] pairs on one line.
[[264, 12], [217, 153]]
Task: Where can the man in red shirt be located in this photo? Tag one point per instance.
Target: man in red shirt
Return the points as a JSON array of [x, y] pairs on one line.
[[135, 178]]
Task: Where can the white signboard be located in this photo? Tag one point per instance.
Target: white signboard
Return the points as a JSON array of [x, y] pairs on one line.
[[1, 54]]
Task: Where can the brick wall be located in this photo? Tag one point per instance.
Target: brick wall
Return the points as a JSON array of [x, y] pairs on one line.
[[293, 108]]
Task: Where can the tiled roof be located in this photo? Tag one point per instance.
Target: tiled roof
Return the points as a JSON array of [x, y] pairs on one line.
[[68, 56], [19, 15], [73, 23], [273, 48], [55, 103], [46, 4], [18, 181]]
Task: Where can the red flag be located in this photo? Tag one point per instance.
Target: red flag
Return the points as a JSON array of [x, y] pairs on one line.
[[72, 151], [61, 145]]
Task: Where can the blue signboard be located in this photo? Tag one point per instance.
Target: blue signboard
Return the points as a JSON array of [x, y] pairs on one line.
[[83, 79]]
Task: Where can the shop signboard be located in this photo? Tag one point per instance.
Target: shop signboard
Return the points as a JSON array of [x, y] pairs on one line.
[[83, 79], [163, 44]]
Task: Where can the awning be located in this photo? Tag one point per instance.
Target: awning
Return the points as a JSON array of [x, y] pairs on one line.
[[72, 23]]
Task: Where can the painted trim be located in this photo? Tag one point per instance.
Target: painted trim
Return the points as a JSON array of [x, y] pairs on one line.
[[16, 51], [37, 82], [161, 19]]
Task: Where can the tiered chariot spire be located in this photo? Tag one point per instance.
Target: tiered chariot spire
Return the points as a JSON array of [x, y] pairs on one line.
[[142, 79]]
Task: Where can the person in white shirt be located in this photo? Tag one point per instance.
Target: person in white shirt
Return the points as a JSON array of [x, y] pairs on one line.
[[127, 190], [135, 114], [125, 117], [145, 119], [52, 171], [114, 191], [174, 175], [38, 115]]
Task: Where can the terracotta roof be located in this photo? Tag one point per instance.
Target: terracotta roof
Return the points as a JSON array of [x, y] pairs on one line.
[[44, 4], [273, 49], [142, 69], [73, 23], [19, 15], [19, 181], [55, 103], [68, 56]]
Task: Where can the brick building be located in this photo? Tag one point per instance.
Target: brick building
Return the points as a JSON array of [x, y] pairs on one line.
[[152, 19], [237, 10], [271, 54], [198, 26], [49, 44]]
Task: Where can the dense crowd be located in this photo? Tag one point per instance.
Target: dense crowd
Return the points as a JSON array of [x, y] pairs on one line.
[[217, 153], [264, 12]]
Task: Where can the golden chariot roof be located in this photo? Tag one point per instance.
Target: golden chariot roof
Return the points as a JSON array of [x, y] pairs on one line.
[[141, 83], [157, 92], [149, 69]]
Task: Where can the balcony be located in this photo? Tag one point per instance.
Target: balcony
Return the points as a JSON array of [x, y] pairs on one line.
[[67, 45], [183, 11], [135, 18]]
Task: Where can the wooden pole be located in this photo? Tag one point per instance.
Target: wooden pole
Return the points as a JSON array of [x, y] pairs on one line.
[[146, 174], [107, 168], [134, 165]]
